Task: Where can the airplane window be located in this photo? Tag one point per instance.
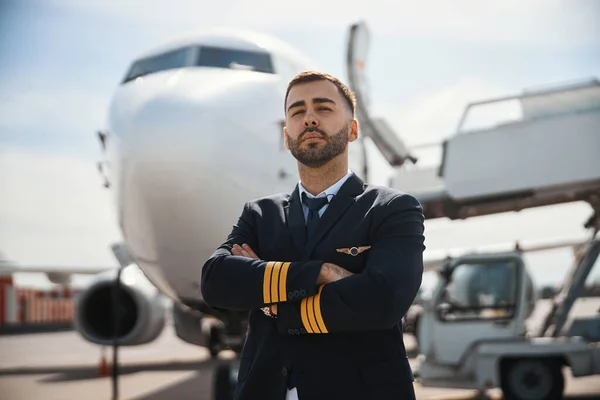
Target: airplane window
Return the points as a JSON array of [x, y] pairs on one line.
[[170, 60], [229, 58]]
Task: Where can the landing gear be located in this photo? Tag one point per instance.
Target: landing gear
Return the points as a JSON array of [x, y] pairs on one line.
[[224, 381], [214, 341], [532, 379], [224, 331]]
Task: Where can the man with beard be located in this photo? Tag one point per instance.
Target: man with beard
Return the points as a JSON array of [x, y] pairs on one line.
[[327, 272]]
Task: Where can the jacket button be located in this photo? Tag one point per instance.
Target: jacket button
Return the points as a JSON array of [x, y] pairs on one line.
[[303, 292], [296, 293], [291, 295], [290, 331], [297, 331], [284, 371]]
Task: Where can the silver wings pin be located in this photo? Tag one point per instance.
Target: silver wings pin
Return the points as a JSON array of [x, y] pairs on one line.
[[353, 251]]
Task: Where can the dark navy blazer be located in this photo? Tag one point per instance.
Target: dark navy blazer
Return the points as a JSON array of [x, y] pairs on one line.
[[339, 340]]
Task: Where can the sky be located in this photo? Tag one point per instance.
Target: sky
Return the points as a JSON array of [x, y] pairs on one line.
[[62, 60]]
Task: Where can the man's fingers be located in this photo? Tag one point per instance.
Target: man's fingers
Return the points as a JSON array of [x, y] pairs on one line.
[[250, 252], [236, 250], [243, 251]]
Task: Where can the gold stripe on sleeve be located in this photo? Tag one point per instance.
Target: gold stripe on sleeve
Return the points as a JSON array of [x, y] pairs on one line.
[[267, 283], [318, 315], [275, 283], [311, 315], [283, 282], [303, 309]]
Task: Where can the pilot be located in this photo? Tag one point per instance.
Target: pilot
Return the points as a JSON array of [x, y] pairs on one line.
[[326, 272]]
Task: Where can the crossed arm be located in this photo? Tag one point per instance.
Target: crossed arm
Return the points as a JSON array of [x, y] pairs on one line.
[[313, 297], [328, 273]]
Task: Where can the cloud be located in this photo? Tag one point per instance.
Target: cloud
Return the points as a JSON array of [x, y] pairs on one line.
[[537, 22], [64, 115], [54, 210]]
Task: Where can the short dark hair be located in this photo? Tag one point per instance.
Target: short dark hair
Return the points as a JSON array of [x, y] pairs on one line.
[[313, 76]]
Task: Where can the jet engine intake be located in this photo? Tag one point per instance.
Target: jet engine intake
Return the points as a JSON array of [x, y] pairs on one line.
[[141, 311]]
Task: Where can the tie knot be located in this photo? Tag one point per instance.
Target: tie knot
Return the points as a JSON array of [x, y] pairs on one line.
[[315, 203]]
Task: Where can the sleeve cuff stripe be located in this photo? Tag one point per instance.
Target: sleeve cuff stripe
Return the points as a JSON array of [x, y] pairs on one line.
[[275, 282], [267, 283], [311, 315], [317, 309], [303, 311], [283, 282]]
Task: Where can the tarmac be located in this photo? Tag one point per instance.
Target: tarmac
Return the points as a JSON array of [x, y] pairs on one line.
[[63, 366]]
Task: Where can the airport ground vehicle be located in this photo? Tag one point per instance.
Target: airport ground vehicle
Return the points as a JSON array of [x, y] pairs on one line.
[[476, 336], [546, 154]]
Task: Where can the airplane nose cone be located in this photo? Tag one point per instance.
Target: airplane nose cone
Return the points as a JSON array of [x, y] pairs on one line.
[[172, 165], [187, 155]]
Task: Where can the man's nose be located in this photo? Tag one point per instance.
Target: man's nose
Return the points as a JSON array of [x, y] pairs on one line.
[[310, 121]]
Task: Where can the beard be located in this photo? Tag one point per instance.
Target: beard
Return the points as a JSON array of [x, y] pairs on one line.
[[315, 156]]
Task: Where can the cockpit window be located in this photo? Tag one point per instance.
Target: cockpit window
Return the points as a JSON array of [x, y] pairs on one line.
[[208, 56], [172, 59], [234, 59]]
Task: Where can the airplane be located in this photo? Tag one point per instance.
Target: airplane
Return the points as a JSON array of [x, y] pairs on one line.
[[195, 129]]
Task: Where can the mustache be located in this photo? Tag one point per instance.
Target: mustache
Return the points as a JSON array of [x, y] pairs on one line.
[[311, 130]]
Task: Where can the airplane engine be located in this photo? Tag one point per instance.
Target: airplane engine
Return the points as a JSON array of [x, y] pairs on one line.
[[141, 310]]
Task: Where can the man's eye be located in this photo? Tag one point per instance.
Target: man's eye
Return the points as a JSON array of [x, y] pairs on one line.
[[325, 109], [297, 112]]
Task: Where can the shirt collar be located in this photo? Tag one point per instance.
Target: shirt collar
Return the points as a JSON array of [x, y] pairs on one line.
[[330, 191]]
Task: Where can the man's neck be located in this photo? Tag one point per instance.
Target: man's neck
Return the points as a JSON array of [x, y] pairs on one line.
[[316, 180]]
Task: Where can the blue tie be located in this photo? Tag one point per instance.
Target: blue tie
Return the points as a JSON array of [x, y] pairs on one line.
[[314, 205]]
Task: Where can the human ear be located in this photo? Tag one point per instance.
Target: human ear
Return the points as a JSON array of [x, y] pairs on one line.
[[285, 138], [353, 135]]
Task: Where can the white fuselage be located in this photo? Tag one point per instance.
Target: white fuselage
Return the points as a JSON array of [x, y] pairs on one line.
[[188, 148]]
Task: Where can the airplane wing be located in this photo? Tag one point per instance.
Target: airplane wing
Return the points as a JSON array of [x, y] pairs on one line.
[[60, 274], [119, 249], [434, 261], [9, 268], [384, 137]]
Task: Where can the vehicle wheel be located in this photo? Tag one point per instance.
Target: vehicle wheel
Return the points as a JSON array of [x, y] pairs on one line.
[[214, 345], [416, 330], [223, 384], [532, 379]]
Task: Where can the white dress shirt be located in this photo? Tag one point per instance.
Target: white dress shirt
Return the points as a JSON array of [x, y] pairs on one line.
[[330, 192]]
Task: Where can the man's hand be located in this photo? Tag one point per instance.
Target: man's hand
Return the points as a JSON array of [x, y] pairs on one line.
[[243, 251], [331, 273]]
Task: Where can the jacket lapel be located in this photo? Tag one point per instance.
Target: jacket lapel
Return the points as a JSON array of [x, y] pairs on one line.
[[295, 220], [336, 209]]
